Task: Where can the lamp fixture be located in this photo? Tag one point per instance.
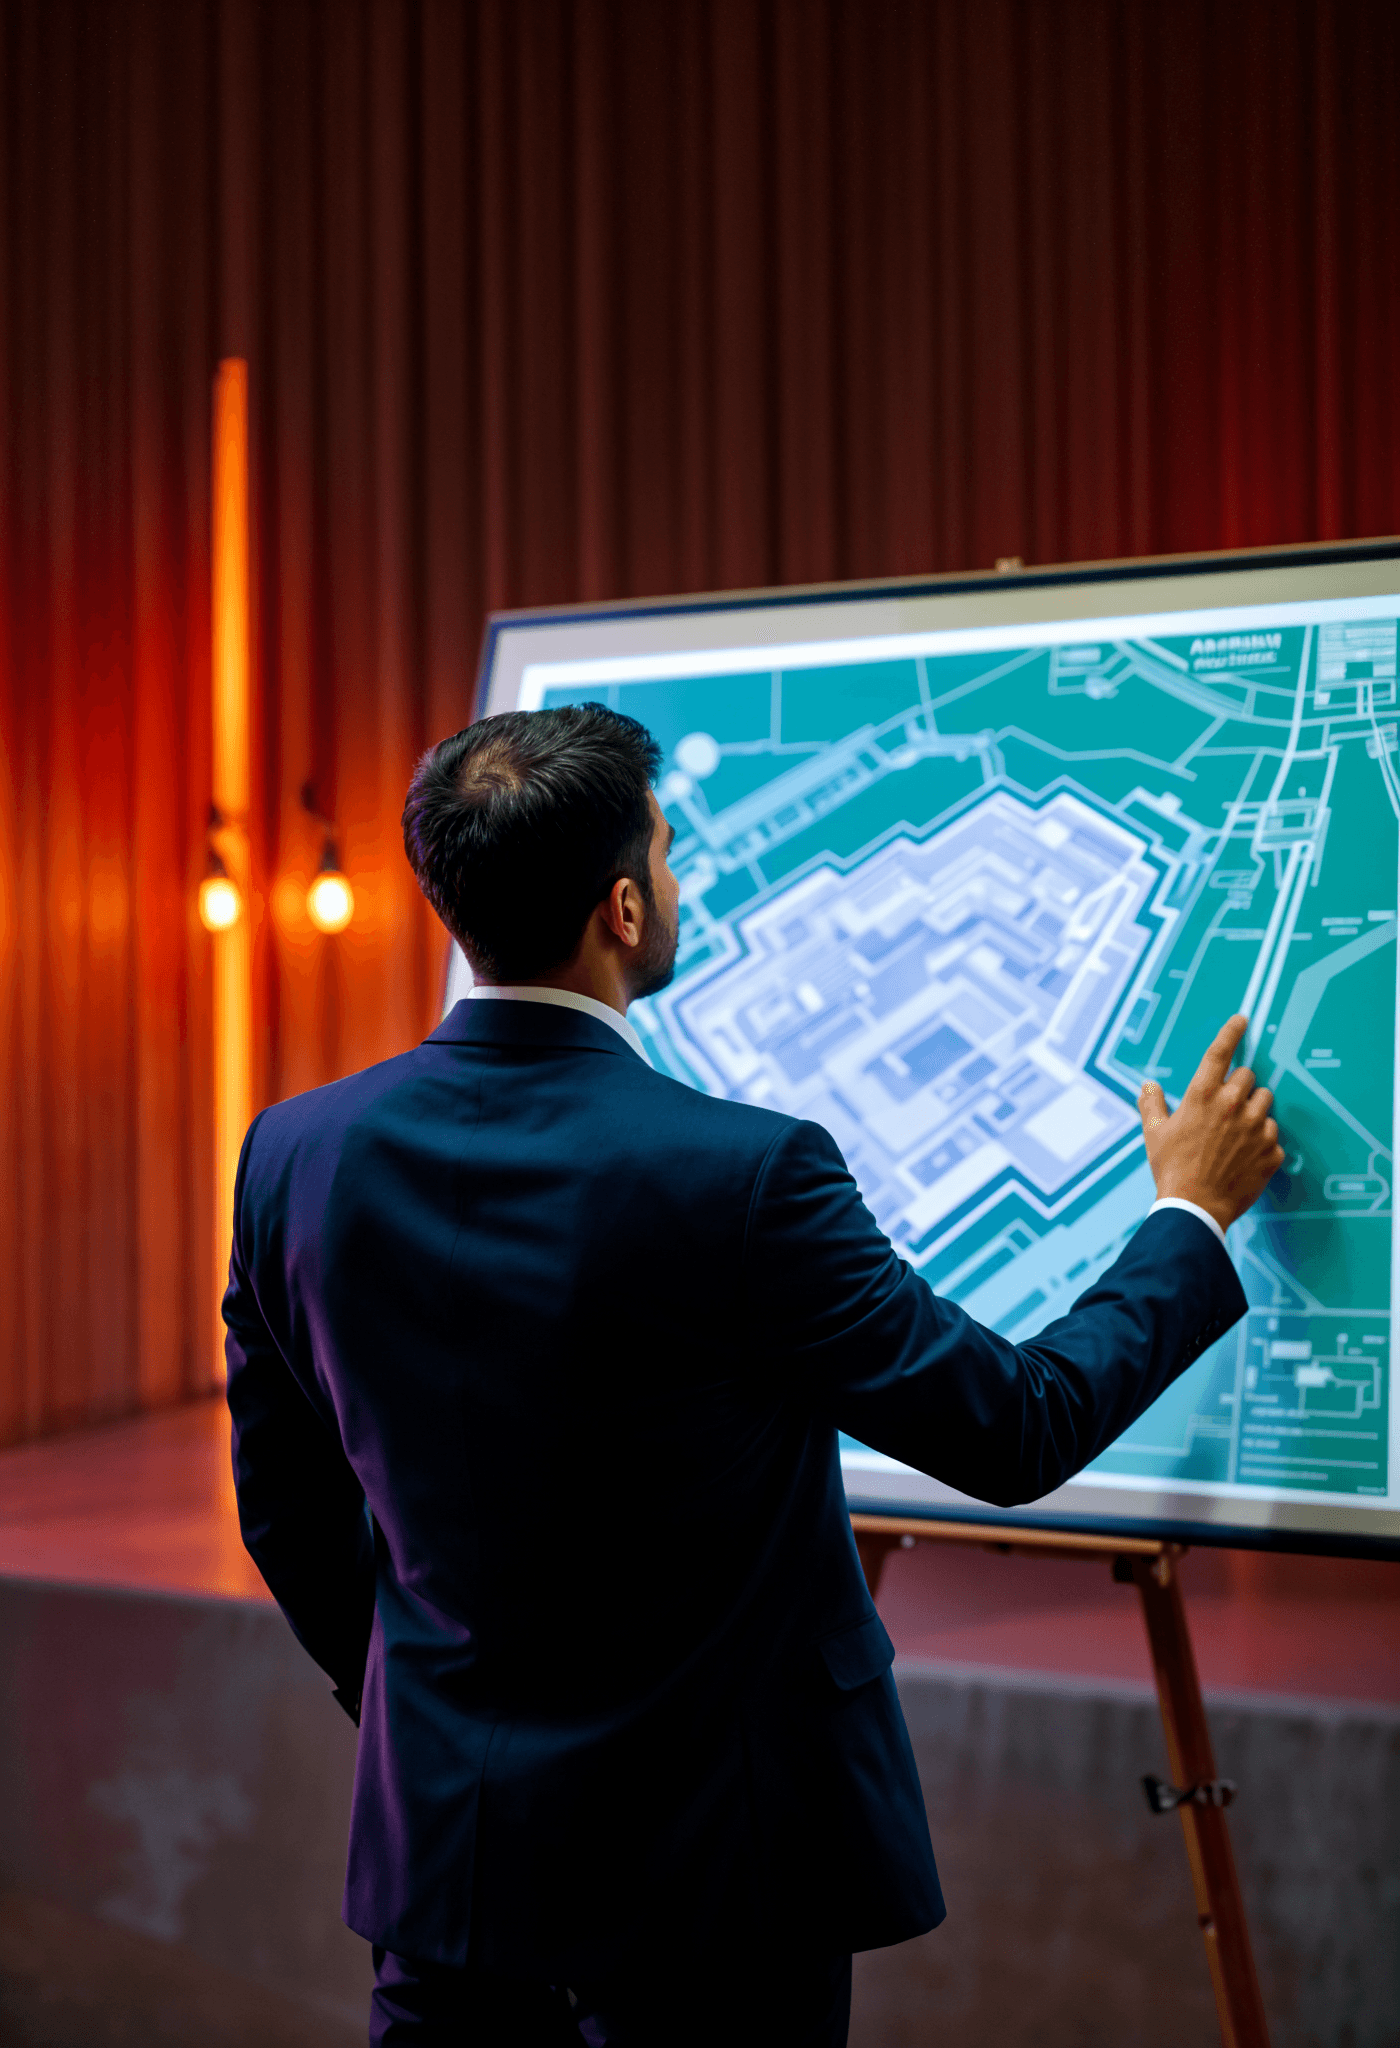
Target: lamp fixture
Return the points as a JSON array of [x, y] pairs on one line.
[[220, 903], [330, 901]]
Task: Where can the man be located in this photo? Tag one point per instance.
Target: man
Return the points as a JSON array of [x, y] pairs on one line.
[[537, 1361]]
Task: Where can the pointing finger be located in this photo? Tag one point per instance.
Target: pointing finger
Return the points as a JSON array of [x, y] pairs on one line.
[[1152, 1106], [1216, 1063]]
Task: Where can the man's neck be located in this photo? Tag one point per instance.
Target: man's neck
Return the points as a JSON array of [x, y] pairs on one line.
[[584, 978]]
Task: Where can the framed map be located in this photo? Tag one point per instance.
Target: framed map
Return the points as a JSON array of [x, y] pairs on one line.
[[962, 863]]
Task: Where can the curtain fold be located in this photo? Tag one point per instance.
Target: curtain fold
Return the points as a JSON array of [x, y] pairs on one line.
[[548, 300]]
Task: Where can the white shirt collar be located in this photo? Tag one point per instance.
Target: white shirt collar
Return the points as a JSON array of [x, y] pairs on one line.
[[564, 999]]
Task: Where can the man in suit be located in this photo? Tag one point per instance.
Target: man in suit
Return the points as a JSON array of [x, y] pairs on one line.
[[537, 1361]]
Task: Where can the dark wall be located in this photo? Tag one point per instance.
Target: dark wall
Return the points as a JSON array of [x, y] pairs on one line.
[[174, 1769], [550, 299]]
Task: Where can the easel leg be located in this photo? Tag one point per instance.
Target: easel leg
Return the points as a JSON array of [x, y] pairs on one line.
[[1219, 1906]]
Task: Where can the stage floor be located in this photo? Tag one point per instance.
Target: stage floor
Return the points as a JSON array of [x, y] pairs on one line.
[[148, 1505]]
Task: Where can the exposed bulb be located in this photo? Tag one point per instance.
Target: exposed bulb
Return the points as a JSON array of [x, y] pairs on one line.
[[330, 901], [220, 904]]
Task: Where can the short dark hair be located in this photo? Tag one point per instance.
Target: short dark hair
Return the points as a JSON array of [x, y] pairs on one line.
[[518, 826]]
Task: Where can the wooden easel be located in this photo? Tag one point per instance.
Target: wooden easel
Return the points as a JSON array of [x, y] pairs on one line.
[[1152, 1567]]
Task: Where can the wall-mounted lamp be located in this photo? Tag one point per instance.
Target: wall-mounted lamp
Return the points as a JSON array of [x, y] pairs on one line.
[[220, 904], [220, 898], [330, 901]]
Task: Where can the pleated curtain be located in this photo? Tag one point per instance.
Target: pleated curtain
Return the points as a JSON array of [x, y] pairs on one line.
[[548, 300]]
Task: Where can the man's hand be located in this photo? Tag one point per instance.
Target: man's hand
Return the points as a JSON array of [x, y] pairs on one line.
[[1219, 1148]]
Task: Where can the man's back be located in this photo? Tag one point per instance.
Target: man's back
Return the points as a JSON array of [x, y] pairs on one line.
[[614, 1576]]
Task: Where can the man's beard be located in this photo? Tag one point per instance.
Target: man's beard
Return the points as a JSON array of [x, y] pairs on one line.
[[656, 963]]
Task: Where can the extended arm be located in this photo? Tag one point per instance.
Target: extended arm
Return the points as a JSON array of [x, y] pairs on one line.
[[300, 1507], [870, 1346]]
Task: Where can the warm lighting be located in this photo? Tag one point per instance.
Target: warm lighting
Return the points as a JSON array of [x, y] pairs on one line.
[[231, 618], [330, 901], [219, 903], [231, 734]]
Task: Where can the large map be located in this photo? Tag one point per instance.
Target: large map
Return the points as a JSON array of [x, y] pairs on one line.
[[956, 907]]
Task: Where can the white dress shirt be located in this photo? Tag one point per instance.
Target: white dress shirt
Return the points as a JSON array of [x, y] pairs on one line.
[[565, 999], [1192, 1209]]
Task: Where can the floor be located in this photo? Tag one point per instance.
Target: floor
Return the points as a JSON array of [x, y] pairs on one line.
[[149, 1503], [1300, 1627], [146, 1503]]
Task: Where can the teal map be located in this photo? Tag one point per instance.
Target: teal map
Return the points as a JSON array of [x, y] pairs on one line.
[[957, 906]]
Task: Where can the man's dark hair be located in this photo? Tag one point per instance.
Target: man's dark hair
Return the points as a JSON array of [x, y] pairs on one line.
[[518, 826]]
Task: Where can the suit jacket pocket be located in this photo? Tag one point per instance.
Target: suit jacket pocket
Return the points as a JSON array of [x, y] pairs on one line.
[[857, 1653]]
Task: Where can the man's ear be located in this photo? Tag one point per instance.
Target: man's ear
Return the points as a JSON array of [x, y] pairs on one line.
[[619, 909]]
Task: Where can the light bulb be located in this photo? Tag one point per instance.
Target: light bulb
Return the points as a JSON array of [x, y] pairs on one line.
[[219, 903], [330, 901]]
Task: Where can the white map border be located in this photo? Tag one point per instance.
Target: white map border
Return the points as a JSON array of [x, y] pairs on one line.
[[1241, 1505], [665, 664]]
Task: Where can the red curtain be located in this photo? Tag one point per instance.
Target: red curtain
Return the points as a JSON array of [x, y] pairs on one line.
[[559, 299]]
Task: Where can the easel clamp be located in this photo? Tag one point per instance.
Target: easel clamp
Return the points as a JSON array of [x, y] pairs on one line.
[[1165, 1798]]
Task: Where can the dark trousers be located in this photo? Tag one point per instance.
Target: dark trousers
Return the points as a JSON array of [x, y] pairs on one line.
[[776, 2001]]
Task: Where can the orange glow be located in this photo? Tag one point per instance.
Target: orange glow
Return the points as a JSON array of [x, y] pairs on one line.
[[330, 901], [219, 903], [230, 593], [233, 953]]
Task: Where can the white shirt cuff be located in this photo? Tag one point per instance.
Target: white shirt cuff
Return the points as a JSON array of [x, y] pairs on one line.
[[1192, 1209]]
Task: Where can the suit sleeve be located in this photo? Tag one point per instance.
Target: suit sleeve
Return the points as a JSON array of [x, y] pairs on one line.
[[301, 1509], [854, 1332]]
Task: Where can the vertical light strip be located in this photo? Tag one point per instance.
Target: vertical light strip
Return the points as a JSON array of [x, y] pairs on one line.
[[233, 949]]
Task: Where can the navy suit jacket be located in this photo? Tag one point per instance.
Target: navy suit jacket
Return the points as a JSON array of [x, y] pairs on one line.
[[537, 1361]]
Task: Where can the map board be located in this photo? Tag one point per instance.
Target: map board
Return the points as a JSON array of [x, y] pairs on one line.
[[963, 863]]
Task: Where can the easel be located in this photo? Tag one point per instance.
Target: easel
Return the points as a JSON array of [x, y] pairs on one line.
[[1196, 1793]]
